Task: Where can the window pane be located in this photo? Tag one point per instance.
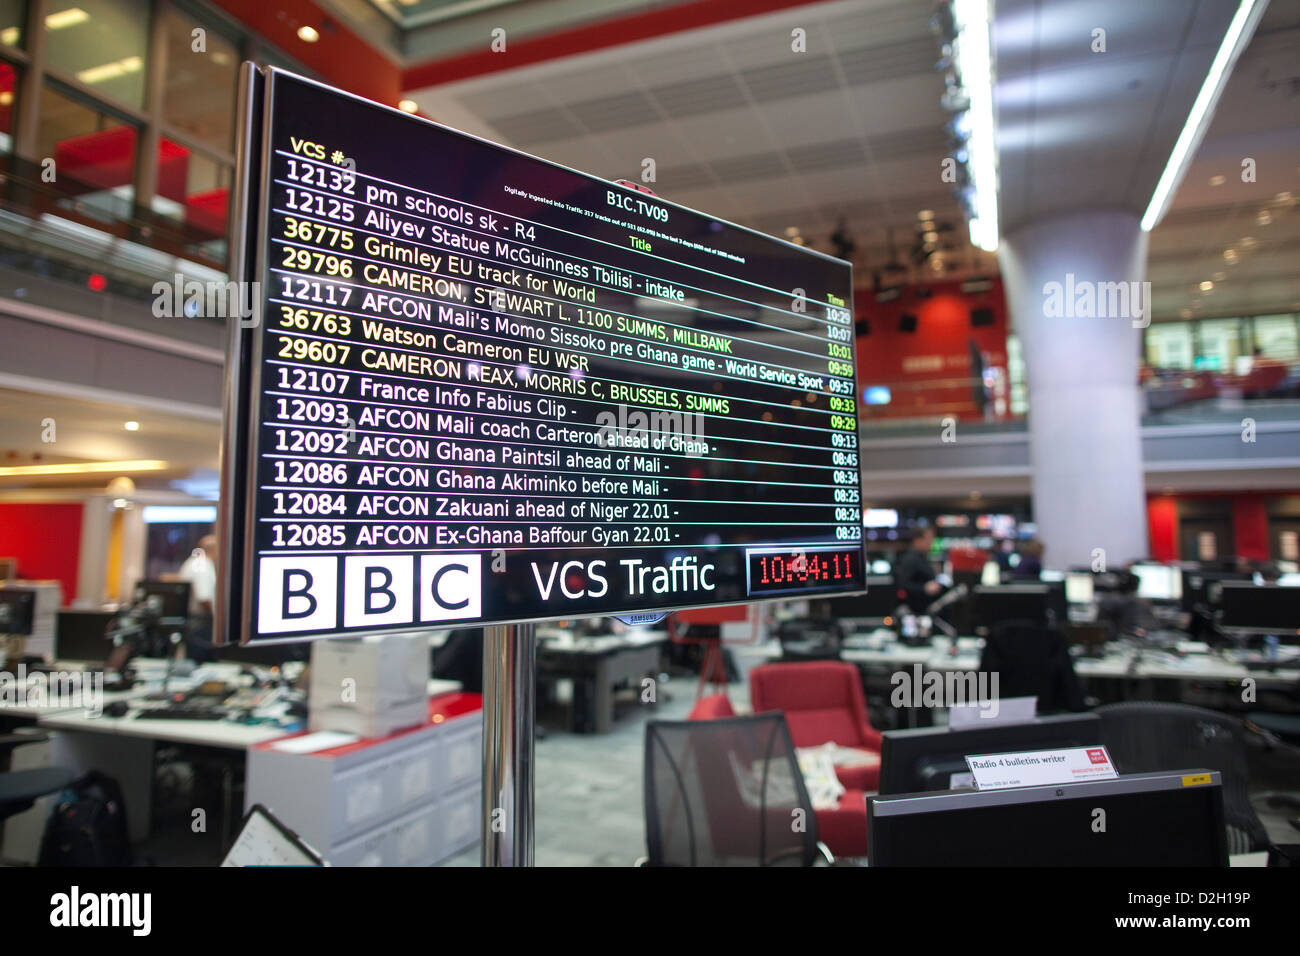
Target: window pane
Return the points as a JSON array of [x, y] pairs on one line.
[[1275, 336], [13, 16], [200, 97], [94, 155], [102, 43], [8, 97], [1169, 345], [1220, 345], [194, 189]]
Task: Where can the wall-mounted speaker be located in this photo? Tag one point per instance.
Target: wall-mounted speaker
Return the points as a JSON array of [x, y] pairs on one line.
[[907, 322], [862, 327], [980, 317]]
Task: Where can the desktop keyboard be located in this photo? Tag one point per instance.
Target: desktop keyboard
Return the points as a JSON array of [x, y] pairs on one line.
[[181, 713]]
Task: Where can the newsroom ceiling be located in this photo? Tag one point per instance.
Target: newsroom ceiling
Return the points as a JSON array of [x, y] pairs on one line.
[[737, 123], [853, 129]]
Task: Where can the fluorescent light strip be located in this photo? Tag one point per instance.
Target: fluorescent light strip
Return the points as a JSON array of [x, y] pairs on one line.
[[179, 514], [975, 62], [1239, 33], [66, 18], [84, 467]]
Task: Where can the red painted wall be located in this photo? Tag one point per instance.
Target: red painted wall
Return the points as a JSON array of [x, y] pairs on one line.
[[340, 56], [46, 540], [1249, 522], [928, 371], [1162, 527], [1250, 526]]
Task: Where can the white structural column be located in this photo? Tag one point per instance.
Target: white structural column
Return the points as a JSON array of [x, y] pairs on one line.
[[1075, 289]]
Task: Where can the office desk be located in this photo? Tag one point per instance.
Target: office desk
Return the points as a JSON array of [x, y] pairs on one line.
[[123, 747], [597, 665], [22, 712]]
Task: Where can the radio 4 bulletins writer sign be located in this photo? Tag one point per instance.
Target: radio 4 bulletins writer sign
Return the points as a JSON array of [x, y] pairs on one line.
[[480, 387]]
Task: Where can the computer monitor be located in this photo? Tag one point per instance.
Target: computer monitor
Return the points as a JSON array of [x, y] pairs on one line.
[[1158, 582], [879, 601], [175, 596], [17, 610], [922, 759], [991, 574], [1078, 588], [1042, 603], [82, 636], [1201, 588], [1152, 819], [1260, 609]]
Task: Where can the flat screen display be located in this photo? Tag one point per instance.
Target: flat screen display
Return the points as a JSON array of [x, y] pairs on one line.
[[487, 388]]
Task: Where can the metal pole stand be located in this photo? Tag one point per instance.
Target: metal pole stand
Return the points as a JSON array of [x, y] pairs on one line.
[[509, 716]]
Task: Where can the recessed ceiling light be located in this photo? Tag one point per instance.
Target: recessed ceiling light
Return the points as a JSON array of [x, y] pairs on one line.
[[1285, 198], [1218, 180], [1248, 241], [1263, 218], [132, 426], [1185, 314], [1219, 276], [408, 106], [308, 34], [930, 236], [1230, 256], [792, 230], [927, 224], [1207, 286], [925, 214]]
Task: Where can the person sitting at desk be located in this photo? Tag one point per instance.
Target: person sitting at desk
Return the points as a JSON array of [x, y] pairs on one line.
[[914, 574]]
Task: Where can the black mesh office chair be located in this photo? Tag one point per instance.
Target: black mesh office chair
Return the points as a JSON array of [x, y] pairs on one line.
[[19, 789], [727, 793], [809, 639], [1150, 736], [1032, 660]]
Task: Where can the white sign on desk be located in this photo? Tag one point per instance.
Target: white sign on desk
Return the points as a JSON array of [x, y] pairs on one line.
[[1010, 710], [1040, 768]]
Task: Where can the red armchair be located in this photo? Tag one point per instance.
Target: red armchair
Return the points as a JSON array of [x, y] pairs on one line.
[[844, 828], [713, 707], [823, 703]]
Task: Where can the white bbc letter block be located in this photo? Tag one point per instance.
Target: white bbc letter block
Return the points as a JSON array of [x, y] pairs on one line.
[[451, 587], [297, 594], [378, 590]]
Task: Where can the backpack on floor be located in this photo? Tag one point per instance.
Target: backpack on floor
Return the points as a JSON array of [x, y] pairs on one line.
[[88, 825]]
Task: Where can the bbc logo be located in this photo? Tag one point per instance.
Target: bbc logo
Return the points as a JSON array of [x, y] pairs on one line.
[[308, 593]]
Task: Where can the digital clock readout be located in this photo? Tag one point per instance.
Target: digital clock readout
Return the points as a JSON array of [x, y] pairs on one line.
[[774, 571]]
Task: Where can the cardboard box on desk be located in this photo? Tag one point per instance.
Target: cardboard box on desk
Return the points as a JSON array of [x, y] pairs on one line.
[[370, 686]]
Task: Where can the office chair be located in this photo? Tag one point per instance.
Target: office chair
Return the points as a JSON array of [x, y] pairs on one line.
[[19, 789], [1032, 660], [727, 792], [807, 639], [1151, 736]]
